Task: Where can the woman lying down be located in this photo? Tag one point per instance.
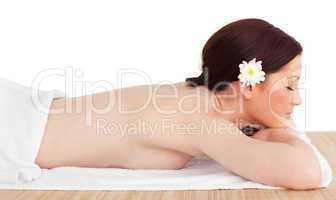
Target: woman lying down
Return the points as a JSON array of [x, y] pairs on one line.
[[236, 112]]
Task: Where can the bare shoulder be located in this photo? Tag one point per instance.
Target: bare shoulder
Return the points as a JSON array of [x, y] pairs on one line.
[[212, 127], [213, 131]]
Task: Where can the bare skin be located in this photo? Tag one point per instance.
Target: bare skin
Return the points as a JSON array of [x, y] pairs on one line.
[[68, 141], [179, 115]]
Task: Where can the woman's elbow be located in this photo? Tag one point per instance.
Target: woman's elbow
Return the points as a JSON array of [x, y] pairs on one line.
[[304, 180]]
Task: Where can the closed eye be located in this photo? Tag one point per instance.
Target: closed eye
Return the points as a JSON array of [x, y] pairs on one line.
[[290, 88]]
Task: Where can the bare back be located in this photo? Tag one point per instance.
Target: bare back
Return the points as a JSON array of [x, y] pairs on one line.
[[141, 127]]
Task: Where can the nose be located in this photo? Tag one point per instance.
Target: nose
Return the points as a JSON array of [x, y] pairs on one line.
[[296, 99]]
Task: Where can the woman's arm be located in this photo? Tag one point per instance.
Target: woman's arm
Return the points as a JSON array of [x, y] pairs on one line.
[[286, 137], [272, 163]]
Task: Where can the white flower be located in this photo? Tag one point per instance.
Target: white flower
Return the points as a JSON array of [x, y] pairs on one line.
[[251, 73]]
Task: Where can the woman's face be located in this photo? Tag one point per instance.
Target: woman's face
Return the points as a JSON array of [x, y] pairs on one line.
[[276, 97]]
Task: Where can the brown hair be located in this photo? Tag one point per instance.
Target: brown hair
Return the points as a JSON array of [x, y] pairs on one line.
[[243, 40]]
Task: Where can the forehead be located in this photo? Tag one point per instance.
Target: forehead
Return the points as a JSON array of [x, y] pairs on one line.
[[292, 68], [290, 71]]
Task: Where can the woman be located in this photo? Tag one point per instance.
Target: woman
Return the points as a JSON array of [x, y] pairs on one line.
[[164, 126]]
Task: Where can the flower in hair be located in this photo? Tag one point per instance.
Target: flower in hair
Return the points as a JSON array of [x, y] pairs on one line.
[[251, 73]]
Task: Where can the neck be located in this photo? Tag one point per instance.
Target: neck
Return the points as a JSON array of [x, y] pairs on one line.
[[232, 109]]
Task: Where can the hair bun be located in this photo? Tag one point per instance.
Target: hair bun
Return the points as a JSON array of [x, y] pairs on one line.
[[195, 81]]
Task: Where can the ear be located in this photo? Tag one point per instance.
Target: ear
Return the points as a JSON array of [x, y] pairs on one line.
[[247, 91]]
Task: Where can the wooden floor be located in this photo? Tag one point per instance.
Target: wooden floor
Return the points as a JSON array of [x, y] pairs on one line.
[[325, 142]]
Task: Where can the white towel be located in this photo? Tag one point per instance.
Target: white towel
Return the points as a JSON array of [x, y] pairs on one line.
[[23, 116], [201, 173]]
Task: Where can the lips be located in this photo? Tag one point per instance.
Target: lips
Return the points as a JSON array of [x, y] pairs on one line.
[[289, 113]]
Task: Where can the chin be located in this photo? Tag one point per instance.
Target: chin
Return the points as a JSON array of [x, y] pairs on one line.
[[276, 120], [283, 122]]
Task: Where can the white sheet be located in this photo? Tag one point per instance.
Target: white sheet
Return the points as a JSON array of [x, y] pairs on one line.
[[23, 116], [17, 170]]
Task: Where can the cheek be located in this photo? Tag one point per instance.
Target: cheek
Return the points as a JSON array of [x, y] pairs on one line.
[[279, 101]]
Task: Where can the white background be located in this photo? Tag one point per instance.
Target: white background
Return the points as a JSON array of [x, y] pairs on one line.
[[97, 39]]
